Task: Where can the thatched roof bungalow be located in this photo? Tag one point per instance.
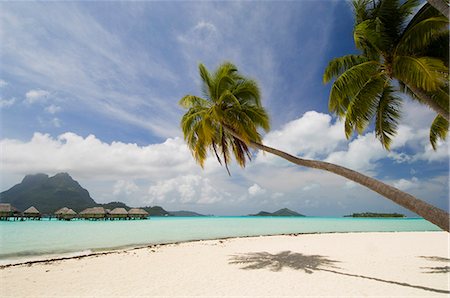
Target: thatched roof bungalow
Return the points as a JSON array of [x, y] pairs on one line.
[[32, 212], [69, 214], [93, 213], [137, 213], [118, 213], [61, 211], [65, 213], [6, 210]]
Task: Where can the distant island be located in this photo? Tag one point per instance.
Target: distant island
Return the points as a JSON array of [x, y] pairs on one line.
[[49, 194], [371, 214], [281, 212]]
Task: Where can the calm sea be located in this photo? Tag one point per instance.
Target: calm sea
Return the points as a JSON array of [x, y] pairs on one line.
[[29, 239]]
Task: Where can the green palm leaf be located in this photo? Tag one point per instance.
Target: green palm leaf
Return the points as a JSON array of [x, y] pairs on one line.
[[339, 65], [363, 106], [426, 73], [422, 35], [231, 101], [387, 117], [348, 84], [439, 129]]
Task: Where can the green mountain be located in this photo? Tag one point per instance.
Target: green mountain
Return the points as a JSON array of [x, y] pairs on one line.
[[48, 194], [281, 212], [156, 211], [184, 213]]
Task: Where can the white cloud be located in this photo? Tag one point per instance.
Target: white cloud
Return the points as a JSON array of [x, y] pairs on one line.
[[404, 184], [3, 83], [185, 189], [256, 190], [310, 136], [5, 103], [36, 95], [53, 109], [91, 158], [362, 154], [124, 187]]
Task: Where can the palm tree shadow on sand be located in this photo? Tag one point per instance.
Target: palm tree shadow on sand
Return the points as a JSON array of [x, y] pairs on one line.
[[307, 263], [276, 262], [437, 269]]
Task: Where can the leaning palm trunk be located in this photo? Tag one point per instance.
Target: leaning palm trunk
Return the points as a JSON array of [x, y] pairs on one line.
[[425, 98], [435, 215], [441, 5]]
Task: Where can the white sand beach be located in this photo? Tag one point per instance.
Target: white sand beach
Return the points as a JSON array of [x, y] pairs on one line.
[[346, 265]]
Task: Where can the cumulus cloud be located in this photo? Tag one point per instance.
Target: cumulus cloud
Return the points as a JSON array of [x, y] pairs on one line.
[[185, 189], [312, 135], [256, 190], [124, 187], [36, 95], [5, 103], [316, 136], [91, 158], [405, 184]]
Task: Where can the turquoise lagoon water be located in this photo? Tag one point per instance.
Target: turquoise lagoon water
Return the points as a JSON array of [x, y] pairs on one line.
[[49, 237]]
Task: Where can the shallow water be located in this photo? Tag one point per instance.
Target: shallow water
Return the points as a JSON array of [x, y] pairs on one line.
[[48, 237]]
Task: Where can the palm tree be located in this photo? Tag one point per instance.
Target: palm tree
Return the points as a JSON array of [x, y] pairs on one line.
[[226, 121], [411, 58]]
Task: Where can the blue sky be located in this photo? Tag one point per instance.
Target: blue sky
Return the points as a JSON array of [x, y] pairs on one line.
[[91, 88]]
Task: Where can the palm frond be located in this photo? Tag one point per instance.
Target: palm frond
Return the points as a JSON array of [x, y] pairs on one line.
[[420, 36], [207, 86], [408, 7], [367, 38], [339, 65], [438, 130], [232, 102], [387, 117], [361, 11], [424, 72], [427, 11], [190, 101], [247, 90], [363, 106], [348, 84]]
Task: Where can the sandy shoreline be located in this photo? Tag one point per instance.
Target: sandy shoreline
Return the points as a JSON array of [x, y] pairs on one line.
[[339, 264]]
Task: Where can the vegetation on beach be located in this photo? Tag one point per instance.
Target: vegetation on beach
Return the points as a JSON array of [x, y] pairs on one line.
[[371, 214]]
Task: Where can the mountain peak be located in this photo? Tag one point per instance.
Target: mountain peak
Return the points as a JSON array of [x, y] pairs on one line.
[[48, 194]]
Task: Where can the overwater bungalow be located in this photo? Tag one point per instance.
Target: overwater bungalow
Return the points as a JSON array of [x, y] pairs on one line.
[[118, 213], [69, 214], [137, 213], [93, 213], [7, 211], [65, 213], [60, 212], [32, 213]]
